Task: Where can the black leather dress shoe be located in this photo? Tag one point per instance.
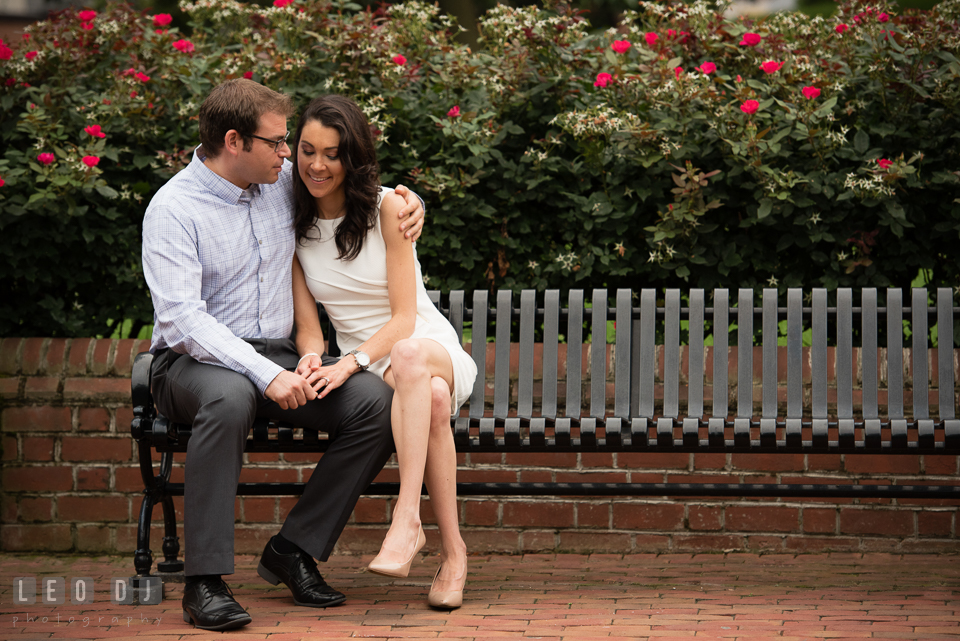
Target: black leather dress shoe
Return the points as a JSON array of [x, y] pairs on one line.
[[299, 572], [209, 605]]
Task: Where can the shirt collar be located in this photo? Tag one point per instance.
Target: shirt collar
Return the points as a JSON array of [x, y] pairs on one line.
[[217, 184]]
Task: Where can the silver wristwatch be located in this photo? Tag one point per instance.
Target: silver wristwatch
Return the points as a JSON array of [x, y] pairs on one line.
[[362, 358]]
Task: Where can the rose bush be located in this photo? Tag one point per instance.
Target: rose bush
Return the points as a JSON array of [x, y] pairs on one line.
[[679, 149]]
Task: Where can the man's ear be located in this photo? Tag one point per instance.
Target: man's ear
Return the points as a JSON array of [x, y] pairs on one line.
[[233, 142]]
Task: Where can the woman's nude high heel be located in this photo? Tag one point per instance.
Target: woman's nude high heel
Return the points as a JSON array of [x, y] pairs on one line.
[[448, 600], [399, 570]]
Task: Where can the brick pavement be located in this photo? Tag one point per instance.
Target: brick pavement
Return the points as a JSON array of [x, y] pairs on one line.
[[552, 597]]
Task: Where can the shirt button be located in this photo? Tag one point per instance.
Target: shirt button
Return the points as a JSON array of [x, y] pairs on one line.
[[261, 279], [260, 241]]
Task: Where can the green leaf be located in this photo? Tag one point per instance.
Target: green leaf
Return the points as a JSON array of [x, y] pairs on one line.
[[766, 206], [861, 141]]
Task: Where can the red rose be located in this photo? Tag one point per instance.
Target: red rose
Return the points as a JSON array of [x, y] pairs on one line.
[[142, 77], [810, 93], [90, 161], [2, 182], [707, 68], [750, 107], [677, 71], [840, 28], [281, 3], [46, 158], [248, 75], [651, 38], [751, 39], [86, 26], [884, 163], [771, 66], [621, 46], [454, 111], [183, 46], [400, 60], [5, 52], [603, 79], [30, 55], [87, 16], [162, 19], [94, 130], [883, 17]]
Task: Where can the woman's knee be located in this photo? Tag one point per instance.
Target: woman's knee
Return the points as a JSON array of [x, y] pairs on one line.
[[408, 360], [439, 404]]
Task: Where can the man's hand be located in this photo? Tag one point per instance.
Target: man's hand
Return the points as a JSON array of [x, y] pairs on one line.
[[411, 214], [290, 390]]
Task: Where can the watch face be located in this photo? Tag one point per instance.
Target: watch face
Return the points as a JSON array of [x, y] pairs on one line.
[[363, 360]]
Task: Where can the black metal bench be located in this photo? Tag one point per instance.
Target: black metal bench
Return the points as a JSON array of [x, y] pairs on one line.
[[524, 414]]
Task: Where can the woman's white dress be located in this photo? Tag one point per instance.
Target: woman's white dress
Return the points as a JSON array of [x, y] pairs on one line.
[[354, 294]]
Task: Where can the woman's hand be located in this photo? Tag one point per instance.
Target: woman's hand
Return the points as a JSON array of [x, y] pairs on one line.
[[327, 379], [411, 214]]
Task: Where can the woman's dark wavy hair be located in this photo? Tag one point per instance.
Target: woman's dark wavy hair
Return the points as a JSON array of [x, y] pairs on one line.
[[361, 184]]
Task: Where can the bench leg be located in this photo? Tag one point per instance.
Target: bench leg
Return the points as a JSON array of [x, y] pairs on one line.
[[143, 557], [171, 542]]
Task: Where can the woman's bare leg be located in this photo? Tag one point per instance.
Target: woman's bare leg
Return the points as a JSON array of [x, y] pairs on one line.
[[441, 479], [414, 363]]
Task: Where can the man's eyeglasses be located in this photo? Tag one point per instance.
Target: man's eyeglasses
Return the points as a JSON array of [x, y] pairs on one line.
[[276, 143]]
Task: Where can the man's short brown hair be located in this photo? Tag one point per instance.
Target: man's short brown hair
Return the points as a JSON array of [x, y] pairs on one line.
[[238, 104]]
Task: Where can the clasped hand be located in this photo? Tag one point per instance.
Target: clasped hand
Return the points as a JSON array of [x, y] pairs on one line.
[[311, 379]]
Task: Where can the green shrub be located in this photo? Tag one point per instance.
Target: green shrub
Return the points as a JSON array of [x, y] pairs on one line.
[[538, 171]]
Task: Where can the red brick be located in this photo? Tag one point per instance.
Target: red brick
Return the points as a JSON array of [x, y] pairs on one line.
[[591, 477], [123, 359], [762, 519], [935, 523], [594, 542], [10, 448], [642, 461], [93, 419], [543, 514], [79, 448], [648, 516], [259, 509], [107, 389], [707, 542], [126, 537], [487, 458], [41, 387], [34, 509], [54, 360], [538, 541], [284, 505], [827, 462], [100, 365], [30, 356], [93, 478], [811, 544], [709, 461], [9, 388], [593, 515], [93, 508], [127, 479], [940, 465], [880, 522], [263, 457], [651, 543], [95, 538], [819, 520], [38, 448], [37, 479], [122, 419], [491, 541], [388, 475], [77, 360], [8, 508], [534, 459], [882, 464], [268, 475], [9, 350], [253, 538], [371, 510], [481, 512], [536, 476], [289, 457], [704, 518], [486, 476], [36, 419], [36, 538], [596, 459], [768, 462], [762, 543]]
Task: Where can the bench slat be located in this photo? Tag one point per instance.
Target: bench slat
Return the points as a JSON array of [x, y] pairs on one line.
[[868, 354], [818, 354], [574, 352], [794, 353], [622, 350], [551, 332], [844, 353], [598, 354], [501, 376], [894, 354], [745, 353], [721, 349], [918, 305], [648, 364], [695, 361], [770, 334], [945, 392], [456, 312], [479, 352], [528, 317], [671, 354]]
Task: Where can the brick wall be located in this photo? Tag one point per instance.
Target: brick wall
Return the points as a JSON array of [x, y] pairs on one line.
[[70, 482]]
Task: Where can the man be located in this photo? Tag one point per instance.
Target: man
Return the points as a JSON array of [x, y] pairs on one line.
[[218, 246]]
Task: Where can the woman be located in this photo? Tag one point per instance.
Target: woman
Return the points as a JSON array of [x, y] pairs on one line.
[[368, 279]]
